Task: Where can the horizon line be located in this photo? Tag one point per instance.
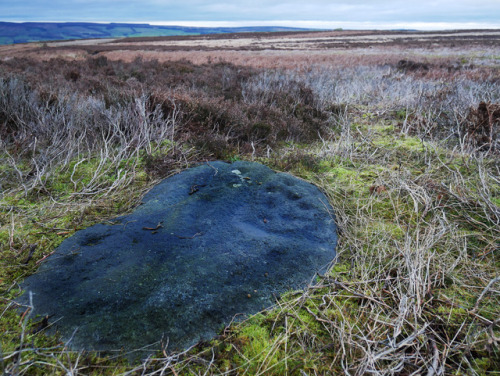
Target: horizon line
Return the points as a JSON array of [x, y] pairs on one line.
[[305, 24]]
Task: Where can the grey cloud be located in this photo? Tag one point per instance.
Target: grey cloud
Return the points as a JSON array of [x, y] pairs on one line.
[[385, 11]]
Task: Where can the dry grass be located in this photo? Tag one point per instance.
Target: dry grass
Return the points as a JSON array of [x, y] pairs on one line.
[[416, 195]]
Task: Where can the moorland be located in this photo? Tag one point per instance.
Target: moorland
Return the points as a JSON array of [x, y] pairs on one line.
[[399, 129], [25, 32]]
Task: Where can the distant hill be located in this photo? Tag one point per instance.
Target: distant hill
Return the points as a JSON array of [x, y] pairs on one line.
[[11, 32]]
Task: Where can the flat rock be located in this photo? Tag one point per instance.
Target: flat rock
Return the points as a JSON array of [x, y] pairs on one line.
[[207, 244]]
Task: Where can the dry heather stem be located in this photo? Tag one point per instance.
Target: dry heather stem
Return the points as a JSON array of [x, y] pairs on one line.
[[413, 288]]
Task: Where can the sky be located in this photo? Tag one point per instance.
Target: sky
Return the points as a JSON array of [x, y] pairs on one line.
[[328, 14]]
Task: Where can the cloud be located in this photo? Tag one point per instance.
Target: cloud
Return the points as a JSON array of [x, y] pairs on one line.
[[376, 12]]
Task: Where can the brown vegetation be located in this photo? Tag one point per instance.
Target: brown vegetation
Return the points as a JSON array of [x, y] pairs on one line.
[[483, 126], [289, 50], [404, 143]]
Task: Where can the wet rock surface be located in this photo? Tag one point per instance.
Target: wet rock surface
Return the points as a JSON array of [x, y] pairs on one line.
[[206, 244]]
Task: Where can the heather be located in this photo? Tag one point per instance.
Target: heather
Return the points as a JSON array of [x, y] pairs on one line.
[[406, 150]]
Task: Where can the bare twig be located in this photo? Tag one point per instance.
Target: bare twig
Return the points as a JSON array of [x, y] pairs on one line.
[[483, 293]]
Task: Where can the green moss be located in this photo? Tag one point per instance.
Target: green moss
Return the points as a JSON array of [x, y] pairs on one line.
[[402, 143], [340, 268], [454, 314], [383, 240], [401, 114], [483, 366], [359, 178], [260, 352], [388, 228]]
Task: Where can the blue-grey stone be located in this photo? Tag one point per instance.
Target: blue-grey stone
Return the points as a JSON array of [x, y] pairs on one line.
[[207, 244]]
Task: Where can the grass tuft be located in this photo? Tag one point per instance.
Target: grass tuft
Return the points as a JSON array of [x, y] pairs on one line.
[[415, 286]]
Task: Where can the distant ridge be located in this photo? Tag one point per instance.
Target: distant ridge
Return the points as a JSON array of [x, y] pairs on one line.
[[11, 32]]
